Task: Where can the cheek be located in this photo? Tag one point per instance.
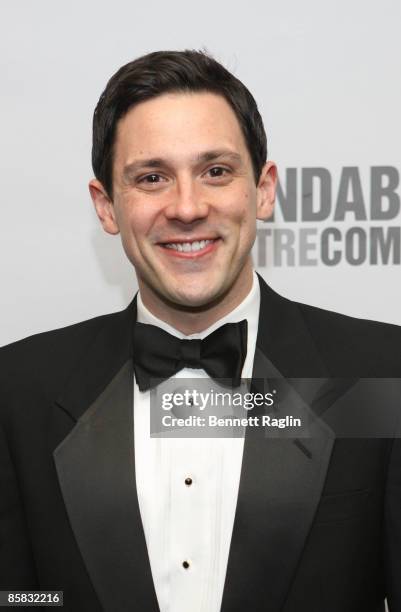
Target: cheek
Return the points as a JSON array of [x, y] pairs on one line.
[[247, 223], [248, 234], [133, 223], [243, 205], [244, 214]]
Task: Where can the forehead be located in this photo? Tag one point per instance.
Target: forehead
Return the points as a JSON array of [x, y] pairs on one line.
[[178, 123]]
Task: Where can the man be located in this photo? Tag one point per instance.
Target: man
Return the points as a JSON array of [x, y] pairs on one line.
[[120, 521]]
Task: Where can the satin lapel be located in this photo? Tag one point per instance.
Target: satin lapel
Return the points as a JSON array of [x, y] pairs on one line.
[[281, 479], [95, 466], [110, 348], [96, 470]]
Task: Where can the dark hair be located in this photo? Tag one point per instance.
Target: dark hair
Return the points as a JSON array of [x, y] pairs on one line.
[[171, 71]]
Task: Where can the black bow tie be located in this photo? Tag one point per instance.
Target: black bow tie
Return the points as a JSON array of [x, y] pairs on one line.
[[159, 355]]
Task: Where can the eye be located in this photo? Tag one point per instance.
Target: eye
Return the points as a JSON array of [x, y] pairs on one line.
[[150, 178], [218, 171], [151, 181]]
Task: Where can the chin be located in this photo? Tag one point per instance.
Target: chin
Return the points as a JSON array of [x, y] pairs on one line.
[[195, 299], [190, 300]]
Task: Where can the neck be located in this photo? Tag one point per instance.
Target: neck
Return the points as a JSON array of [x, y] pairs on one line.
[[192, 320]]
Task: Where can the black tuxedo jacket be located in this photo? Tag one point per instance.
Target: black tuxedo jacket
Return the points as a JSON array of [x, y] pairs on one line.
[[318, 520]]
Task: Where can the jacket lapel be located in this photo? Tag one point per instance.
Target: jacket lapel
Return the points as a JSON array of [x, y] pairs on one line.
[[96, 470], [281, 479]]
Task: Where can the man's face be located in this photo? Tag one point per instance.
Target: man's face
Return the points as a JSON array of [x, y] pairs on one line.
[[185, 199]]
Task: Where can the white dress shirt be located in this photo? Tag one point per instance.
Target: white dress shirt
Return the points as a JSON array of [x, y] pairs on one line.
[[188, 527]]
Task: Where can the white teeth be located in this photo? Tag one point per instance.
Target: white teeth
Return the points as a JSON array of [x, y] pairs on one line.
[[186, 247]]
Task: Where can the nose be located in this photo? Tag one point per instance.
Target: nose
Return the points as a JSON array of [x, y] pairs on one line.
[[187, 203]]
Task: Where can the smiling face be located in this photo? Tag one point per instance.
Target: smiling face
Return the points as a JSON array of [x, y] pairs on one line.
[[186, 203]]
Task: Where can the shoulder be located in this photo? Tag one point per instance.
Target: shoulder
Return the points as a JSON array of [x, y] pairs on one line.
[[47, 358], [346, 346], [348, 341]]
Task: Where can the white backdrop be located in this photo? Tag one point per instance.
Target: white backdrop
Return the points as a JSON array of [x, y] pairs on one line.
[[327, 80]]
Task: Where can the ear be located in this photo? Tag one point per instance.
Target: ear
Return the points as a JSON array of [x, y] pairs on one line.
[[104, 207], [266, 191]]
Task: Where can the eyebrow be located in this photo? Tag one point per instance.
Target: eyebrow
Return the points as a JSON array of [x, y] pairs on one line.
[[159, 162]]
